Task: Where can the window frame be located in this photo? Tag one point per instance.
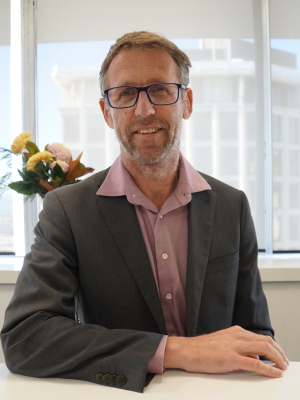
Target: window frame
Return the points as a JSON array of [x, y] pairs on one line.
[[27, 13]]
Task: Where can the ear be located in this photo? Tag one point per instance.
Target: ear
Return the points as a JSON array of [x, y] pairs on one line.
[[188, 104], [106, 113]]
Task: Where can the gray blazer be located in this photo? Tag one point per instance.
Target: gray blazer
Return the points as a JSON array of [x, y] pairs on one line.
[[89, 263]]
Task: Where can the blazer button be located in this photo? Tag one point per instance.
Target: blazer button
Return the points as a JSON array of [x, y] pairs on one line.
[[121, 380], [113, 379], [106, 378], [99, 378]]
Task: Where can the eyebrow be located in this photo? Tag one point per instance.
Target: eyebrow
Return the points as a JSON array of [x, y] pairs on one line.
[[151, 82]]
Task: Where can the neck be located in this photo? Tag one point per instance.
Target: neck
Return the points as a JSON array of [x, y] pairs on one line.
[[156, 182]]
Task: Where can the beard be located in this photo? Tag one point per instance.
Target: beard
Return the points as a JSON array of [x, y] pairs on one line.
[[154, 151]]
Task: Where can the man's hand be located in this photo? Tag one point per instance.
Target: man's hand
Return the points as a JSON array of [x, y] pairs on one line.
[[224, 351]]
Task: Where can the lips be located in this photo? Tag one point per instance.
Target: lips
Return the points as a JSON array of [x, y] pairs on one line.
[[149, 130]]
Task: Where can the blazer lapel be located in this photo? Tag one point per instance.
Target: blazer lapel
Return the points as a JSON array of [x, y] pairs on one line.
[[201, 219], [121, 218]]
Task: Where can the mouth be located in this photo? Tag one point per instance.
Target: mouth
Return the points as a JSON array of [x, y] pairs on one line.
[[147, 132]]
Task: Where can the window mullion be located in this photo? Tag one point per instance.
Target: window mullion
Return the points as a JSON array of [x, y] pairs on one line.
[[267, 98], [28, 62]]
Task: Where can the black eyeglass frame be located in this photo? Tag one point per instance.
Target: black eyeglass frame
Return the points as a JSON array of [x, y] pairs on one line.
[[145, 89]]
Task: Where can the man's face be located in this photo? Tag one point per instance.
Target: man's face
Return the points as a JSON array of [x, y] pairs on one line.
[[148, 134]]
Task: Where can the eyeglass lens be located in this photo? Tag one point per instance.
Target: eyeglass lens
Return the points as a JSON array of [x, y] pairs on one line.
[[159, 94]]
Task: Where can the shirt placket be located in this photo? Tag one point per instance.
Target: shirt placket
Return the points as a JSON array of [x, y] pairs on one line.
[[166, 269]]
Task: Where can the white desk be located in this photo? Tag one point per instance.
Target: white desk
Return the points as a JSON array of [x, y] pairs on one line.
[[172, 385]]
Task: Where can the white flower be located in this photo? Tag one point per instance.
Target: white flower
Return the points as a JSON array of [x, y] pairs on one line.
[[63, 165], [59, 151]]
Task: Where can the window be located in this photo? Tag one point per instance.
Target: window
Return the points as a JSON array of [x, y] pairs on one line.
[[293, 130], [276, 119], [225, 137], [6, 199], [285, 67]]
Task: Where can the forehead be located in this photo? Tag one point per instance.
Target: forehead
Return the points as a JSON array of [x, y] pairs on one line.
[[142, 68]]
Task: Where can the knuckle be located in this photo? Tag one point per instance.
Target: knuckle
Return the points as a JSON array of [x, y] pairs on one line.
[[268, 339], [237, 328], [256, 364], [267, 347]]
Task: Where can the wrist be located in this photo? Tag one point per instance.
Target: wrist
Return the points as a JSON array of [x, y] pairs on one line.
[[173, 352]]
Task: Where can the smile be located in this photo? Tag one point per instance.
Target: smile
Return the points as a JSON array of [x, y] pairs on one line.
[[153, 130]]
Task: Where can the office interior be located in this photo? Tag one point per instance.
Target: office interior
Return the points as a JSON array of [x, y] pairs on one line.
[[245, 127]]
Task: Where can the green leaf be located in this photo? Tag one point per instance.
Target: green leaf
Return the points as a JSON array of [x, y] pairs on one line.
[[4, 182], [32, 147], [21, 187], [22, 175], [82, 165], [58, 172], [7, 155]]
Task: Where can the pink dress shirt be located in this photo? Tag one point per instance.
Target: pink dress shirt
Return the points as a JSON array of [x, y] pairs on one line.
[[165, 234]]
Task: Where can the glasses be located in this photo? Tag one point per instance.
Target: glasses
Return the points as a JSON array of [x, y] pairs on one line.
[[160, 94]]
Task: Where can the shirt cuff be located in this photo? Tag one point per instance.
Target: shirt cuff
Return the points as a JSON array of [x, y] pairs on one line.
[[156, 362]]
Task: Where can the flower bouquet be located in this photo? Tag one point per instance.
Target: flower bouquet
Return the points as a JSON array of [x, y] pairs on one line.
[[42, 171]]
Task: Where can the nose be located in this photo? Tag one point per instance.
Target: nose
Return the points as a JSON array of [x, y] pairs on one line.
[[144, 107]]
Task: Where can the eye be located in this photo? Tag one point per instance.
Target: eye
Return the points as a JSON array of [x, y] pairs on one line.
[[160, 88], [127, 92]]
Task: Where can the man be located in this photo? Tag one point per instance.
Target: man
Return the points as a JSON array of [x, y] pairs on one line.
[[157, 262]]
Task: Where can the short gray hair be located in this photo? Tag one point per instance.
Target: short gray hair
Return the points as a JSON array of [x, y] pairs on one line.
[[146, 40]]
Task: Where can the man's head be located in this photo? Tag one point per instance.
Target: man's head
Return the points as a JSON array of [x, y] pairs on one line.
[[143, 40], [148, 133]]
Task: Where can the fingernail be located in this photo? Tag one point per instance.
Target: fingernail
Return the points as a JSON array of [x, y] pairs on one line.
[[287, 361], [285, 365]]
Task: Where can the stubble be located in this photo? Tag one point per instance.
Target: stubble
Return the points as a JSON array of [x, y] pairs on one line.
[[156, 158]]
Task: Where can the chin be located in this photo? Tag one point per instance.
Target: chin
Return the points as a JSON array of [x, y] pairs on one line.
[[151, 159]]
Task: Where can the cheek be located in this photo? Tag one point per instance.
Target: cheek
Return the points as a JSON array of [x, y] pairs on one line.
[[121, 118]]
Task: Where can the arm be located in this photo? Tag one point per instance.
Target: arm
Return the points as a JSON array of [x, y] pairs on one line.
[[235, 348], [40, 336]]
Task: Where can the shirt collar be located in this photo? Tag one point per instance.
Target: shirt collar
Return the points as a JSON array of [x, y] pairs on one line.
[[113, 184], [118, 182]]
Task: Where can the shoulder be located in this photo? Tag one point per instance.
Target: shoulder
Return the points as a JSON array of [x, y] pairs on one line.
[[221, 188], [87, 186], [229, 200], [75, 198]]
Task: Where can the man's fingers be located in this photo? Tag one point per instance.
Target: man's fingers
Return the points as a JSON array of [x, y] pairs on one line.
[[244, 335], [253, 356], [264, 349], [263, 338], [249, 364]]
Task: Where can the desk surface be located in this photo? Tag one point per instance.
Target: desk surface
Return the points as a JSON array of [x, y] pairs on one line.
[[171, 385]]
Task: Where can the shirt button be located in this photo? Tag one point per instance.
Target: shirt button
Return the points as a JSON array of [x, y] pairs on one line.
[[160, 217], [168, 296], [164, 256]]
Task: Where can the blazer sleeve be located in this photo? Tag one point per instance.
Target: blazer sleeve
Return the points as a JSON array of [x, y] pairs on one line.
[[40, 336], [251, 308]]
